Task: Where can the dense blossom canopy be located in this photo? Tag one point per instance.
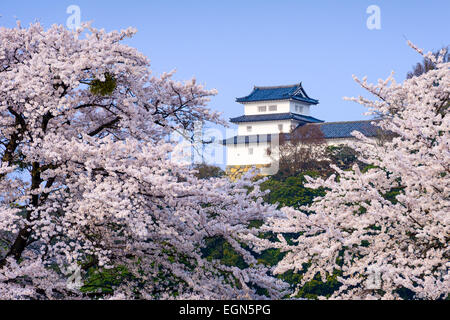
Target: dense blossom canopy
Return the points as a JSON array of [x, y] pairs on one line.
[[86, 179], [384, 231]]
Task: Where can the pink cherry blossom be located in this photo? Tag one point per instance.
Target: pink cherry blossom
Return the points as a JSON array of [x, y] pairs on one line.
[[402, 242], [87, 178]]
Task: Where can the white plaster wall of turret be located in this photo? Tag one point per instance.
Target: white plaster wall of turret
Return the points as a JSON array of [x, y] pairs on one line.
[[276, 106], [266, 127]]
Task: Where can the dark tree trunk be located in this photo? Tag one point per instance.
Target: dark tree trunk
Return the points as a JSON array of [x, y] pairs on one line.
[[23, 237]]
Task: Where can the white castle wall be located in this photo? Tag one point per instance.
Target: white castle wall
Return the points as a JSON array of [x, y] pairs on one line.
[[264, 127], [256, 154], [253, 108], [239, 154]]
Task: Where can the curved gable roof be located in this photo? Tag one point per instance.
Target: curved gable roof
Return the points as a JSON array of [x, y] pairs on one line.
[[290, 92]]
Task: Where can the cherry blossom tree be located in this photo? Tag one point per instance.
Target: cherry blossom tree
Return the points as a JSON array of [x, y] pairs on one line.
[[86, 177], [304, 149], [384, 231]]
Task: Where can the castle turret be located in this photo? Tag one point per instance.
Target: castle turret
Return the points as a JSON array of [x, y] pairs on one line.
[[268, 111]]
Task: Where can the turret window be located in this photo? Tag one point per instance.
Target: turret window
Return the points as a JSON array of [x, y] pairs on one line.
[[262, 109], [299, 108]]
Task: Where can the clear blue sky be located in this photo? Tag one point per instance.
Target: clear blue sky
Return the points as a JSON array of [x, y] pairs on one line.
[[233, 45]]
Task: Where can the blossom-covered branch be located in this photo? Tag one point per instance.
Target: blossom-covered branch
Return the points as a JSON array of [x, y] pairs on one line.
[[384, 231], [86, 178]]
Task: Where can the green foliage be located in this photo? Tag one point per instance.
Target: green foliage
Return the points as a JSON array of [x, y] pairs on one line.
[[392, 194], [218, 248], [102, 281], [205, 171], [103, 88], [314, 288], [367, 168], [311, 289], [271, 257], [255, 224], [290, 191]]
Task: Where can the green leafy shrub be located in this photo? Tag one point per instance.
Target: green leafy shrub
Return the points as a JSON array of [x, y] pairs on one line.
[[103, 88]]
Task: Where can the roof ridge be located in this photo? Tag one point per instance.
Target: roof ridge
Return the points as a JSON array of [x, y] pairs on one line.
[[349, 121], [277, 87], [299, 89]]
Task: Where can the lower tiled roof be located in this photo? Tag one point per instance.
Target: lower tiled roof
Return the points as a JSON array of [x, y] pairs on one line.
[[275, 116], [344, 129], [330, 130]]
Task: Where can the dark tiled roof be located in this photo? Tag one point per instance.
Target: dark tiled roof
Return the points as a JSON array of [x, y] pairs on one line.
[[295, 92], [330, 130], [275, 116], [334, 130]]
